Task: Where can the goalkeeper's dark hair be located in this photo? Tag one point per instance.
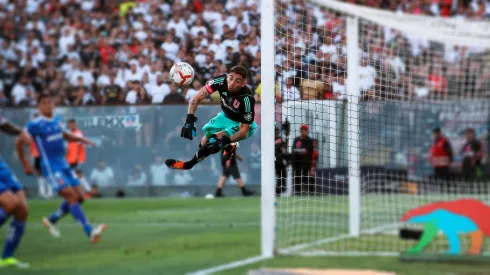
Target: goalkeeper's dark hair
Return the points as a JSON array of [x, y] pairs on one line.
[[239, 70]]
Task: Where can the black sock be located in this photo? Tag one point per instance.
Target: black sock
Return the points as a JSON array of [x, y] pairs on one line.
[[190, 163], [244, 190], [201, 154], [219, 191]]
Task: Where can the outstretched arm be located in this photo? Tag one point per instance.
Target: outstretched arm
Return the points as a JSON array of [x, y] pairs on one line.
[[202, 94], [241, 134], [189, 129], [10, 128], [22, 140], [73, 138]]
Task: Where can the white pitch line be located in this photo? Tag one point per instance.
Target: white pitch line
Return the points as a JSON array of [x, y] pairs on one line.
[[293, 249], [228, 266], [158, 224], [201, 210], [177, 224]]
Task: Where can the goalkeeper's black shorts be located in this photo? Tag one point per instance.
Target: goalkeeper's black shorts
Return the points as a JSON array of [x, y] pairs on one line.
[[231, 171]]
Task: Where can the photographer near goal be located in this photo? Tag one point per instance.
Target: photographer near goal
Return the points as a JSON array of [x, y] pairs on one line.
[[234, 123]]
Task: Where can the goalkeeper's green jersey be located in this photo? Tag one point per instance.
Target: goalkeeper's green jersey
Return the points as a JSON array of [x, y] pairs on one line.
[[239, 106]]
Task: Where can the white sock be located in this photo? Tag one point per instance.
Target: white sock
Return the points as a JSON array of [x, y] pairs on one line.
[[85, 184], [40, 185], [48, 188]]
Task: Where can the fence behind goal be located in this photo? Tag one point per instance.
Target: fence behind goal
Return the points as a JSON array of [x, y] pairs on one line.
[[371, 86], [134, 141]]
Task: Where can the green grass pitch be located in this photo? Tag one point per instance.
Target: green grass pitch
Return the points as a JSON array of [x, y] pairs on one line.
[[176, 236]]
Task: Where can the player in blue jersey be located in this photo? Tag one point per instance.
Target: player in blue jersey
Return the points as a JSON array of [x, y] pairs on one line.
[[48, 133], [12, 203]]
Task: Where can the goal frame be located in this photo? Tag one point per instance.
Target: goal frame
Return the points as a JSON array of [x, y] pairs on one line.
[[443, 30], [268, 180], [268, 197]]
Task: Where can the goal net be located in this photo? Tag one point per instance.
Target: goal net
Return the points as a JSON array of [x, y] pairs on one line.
[[367, 88]]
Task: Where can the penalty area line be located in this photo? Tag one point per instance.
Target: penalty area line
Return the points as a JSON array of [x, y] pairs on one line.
[[227, 266]]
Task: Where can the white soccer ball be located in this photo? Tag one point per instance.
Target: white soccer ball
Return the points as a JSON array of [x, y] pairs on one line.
[[209, 196], [182, 74]]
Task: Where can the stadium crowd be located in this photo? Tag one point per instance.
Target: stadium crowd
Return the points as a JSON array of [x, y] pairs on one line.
[[117, 52], [393, 64], [90, 52]]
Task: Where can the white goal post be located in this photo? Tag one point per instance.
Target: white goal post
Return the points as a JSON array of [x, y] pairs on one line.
[[364, 125], [268, 217]]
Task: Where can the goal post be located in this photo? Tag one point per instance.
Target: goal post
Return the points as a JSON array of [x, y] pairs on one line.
[[352, 30], [268, 217], [371, 85]]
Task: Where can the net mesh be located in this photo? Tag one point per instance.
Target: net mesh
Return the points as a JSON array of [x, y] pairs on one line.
[[408, 86]]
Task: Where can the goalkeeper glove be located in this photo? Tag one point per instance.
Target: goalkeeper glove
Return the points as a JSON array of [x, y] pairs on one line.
[[189, 130]]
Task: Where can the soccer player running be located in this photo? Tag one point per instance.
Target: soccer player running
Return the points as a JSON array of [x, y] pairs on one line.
[[234, 123], [12, 203], [44, 189], [48, 134]]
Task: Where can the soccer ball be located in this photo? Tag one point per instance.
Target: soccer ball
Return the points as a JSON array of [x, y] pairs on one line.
[[209, 196], [182, 74]]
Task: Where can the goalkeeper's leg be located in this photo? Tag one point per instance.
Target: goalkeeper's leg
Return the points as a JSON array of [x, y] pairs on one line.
[[206, 148], [215, 129]]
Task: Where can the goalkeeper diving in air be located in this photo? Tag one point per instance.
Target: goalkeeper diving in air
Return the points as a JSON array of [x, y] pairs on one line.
[[234, 123]]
